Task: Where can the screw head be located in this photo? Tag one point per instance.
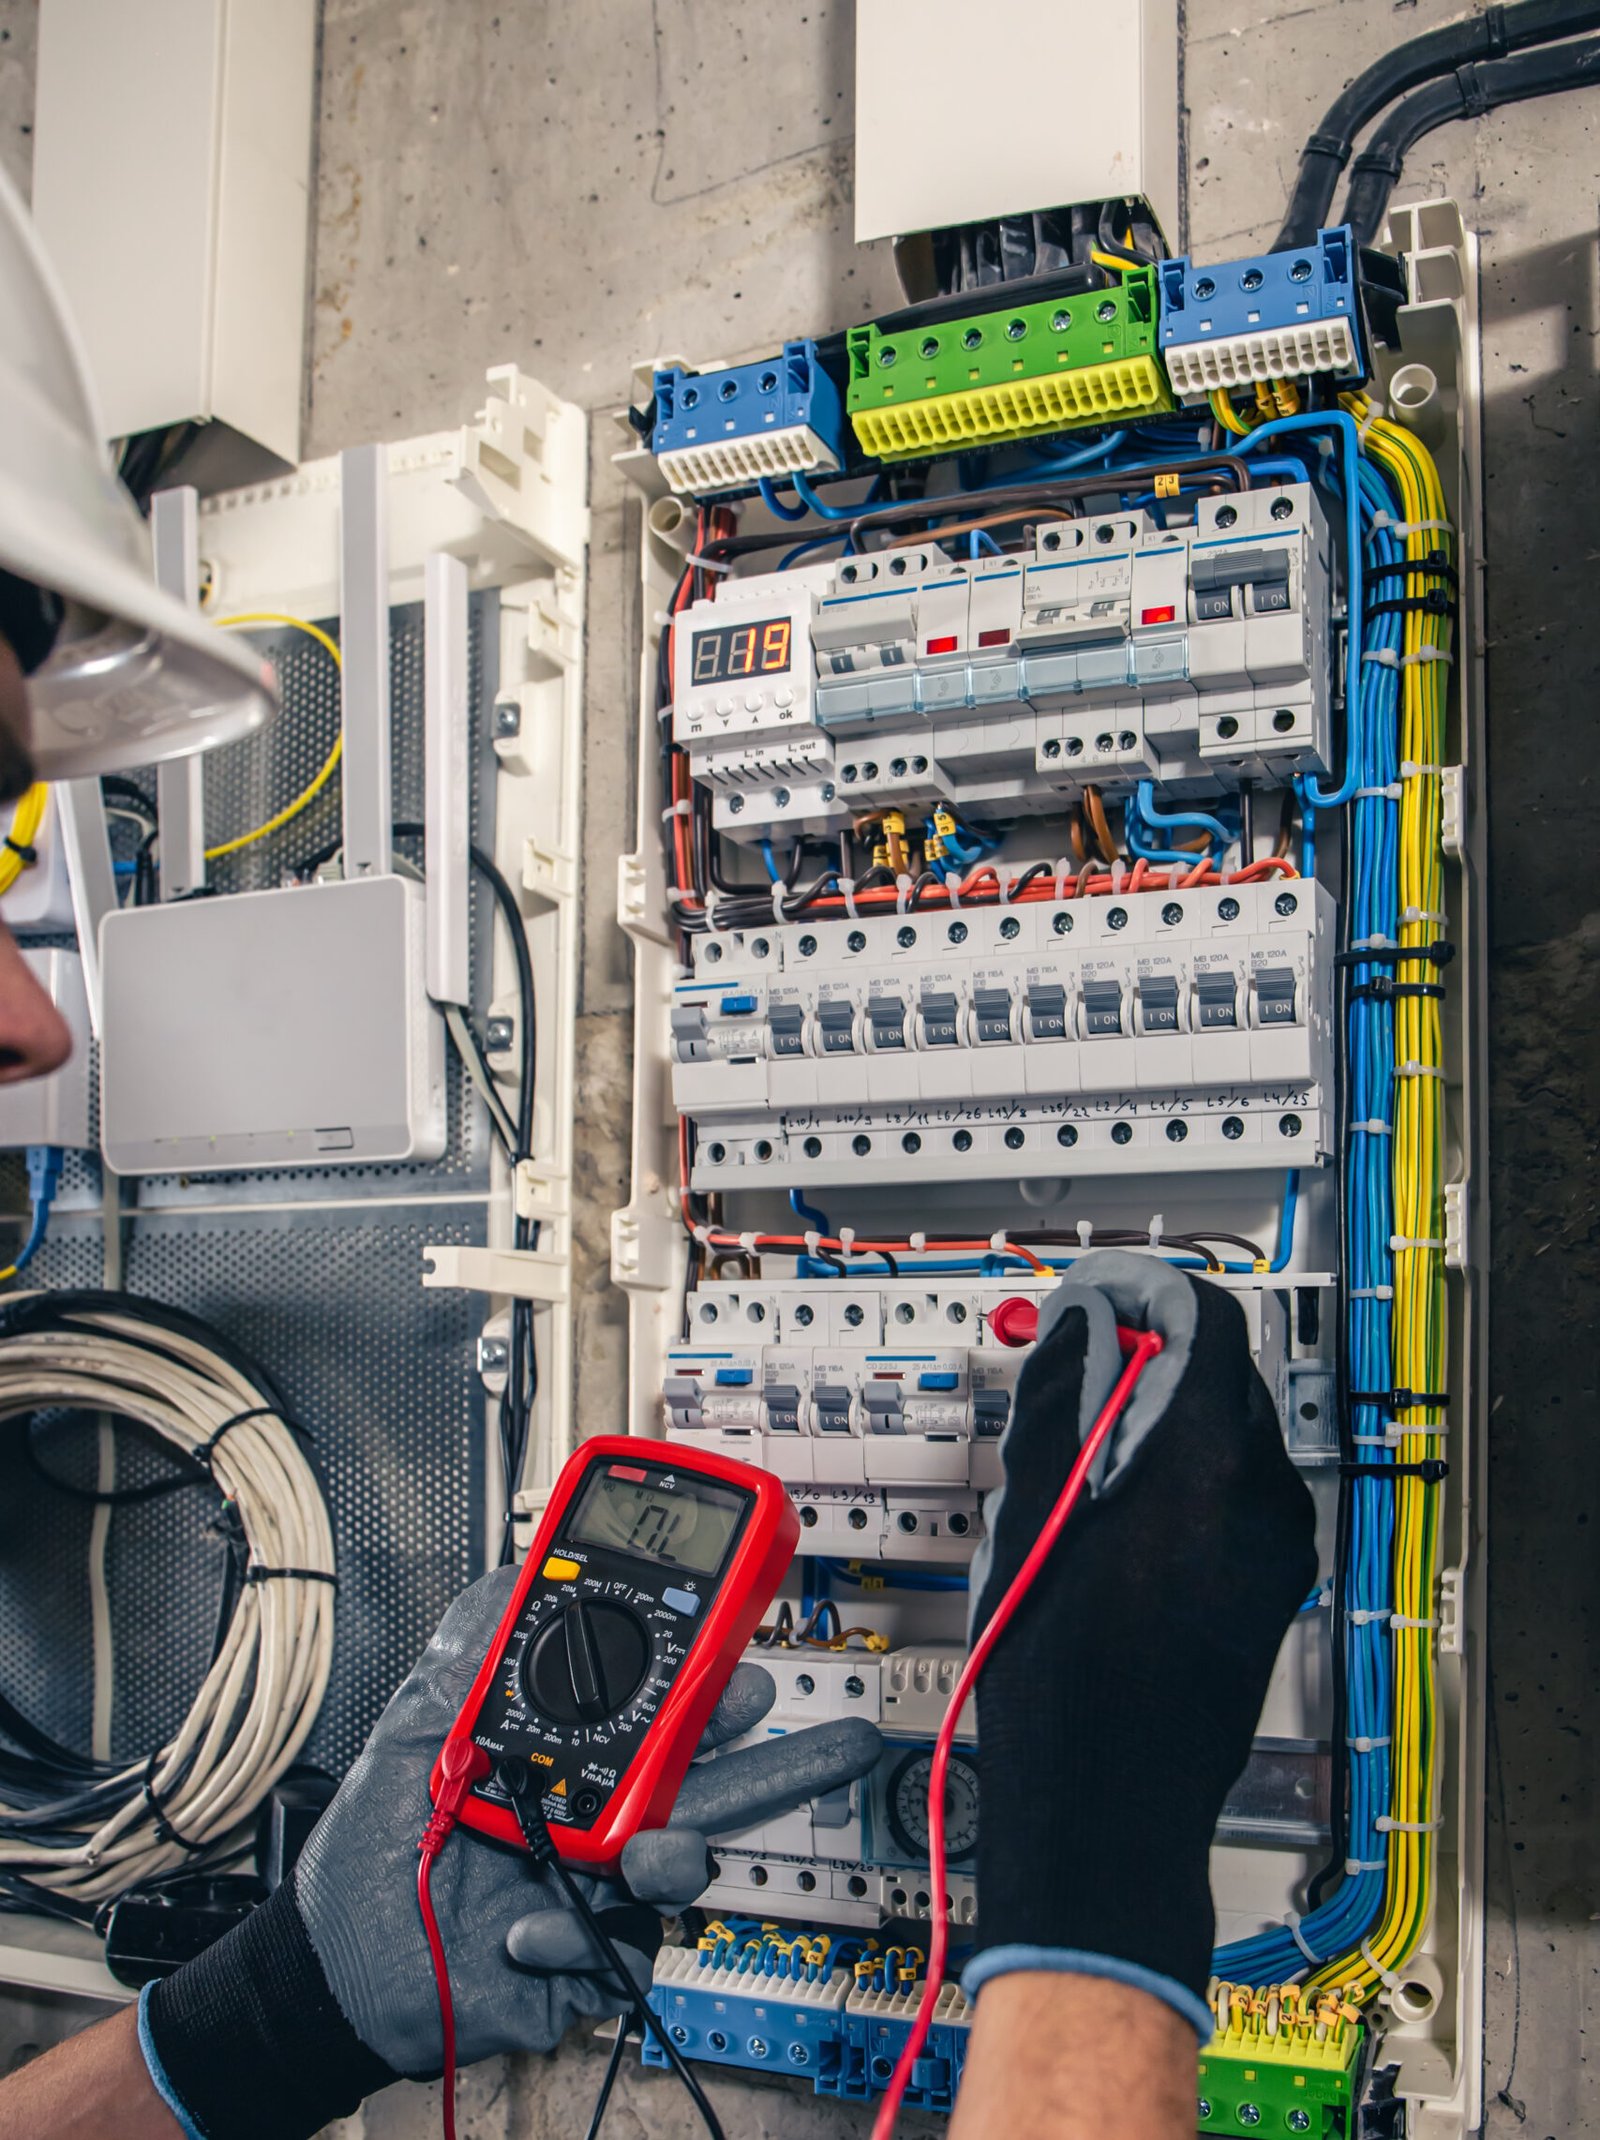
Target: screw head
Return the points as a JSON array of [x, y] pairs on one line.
[[857, 1519], [905, 937], [869, 770], [957, 932], [1232, 1128], [1286, 903], [780, 798], [849, 775], [1062, 924], [887, 355], [1074, 746], [494, 1356], [911, 1142], [1203, 2106], [1177, 1130], [973, 338], [1066, 1135], [760, 948], [713, 954], [829, 791], [962, 1140], [1116, 917], [897, 768], [1106, 310], [805, 1315], [1015, 330], [1172, 913], [1126, 739], [807, 947], [861, 1146], [1010, 928], [1204, 287], [808, 1516], [1061, 321], [813, 1148], [1289, 1125], [1227, 910], [1052, 746], [1227, 516], [856, 940], [853, 1314], [735, 805], [499, 1035], [1122, 1133], [1298, 2121], [929, 346], [1251, 279], [1282, 508], [757, 2047], [1015, 1139], [507, 718], [1249, 2114], [1105, 741]]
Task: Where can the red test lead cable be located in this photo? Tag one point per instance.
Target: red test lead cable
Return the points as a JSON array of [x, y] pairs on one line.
[[1140, 1348], [463, 1764]]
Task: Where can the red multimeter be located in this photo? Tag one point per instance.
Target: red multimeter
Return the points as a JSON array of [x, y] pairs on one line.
[[646, 1579]]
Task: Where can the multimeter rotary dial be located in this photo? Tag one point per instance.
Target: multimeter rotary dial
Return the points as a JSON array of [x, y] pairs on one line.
[[587, 1662]]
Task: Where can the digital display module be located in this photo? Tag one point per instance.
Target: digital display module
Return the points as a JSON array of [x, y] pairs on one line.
[[734, 651]]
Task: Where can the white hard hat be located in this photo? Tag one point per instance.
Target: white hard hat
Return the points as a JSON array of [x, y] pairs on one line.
[[134, 675]]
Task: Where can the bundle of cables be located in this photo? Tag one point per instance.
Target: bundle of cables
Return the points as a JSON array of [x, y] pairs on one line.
[[77, 1831]]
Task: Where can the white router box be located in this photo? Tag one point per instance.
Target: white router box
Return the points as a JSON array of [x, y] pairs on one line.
[[270, 1029]]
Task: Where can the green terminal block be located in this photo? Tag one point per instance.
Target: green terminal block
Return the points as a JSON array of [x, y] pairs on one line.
[[1299, 2080], [1005, 375]]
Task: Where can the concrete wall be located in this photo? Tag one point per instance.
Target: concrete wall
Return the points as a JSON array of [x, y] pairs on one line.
[[580, 183]]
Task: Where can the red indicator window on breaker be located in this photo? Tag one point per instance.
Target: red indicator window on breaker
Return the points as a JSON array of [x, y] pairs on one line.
[[625, 1471], [1166, 615], [994, 638], [946, 645]]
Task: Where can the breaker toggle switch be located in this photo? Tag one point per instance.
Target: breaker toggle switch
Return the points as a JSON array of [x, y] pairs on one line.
[[991, 1009], [886, 1019], [1047, 1011], [938, 1009], [1102, 1009], [1158, 1003], [786, 1024], [1216, 1001], [1275, 996], [836, 1022]]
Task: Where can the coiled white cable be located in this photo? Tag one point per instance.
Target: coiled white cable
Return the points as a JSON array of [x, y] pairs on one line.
[[190, 1801]]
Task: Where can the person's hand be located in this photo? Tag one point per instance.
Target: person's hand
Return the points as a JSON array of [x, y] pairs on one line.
[[1119, 1705], [332, 1976]]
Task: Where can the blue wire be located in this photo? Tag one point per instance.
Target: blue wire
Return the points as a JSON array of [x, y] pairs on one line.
[[808, 497], [803, 549], [770, 860], [809, 1212], [1196, 819], [775, 505], [899, 1578]]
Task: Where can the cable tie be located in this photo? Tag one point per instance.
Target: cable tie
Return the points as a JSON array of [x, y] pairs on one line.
[[1412, 914], [1063, 872], [202, 1452], [1359, 1615], [1419, 1070], [703, 1235], [1380, 521], [1375, 1128], [257, 1573], [1371, 1441], [1435, 562], [1400, 1399], [1156, 1222], [708, 564], [1425, 653], [903, 885], [683, 807], [1392, 793], [918, 1241], [1375, 943], [1401, 1242], [165, 1832], [1291, 1924], [998, 1244], [847, 885], [1117, 874], [28, 855], [1374, 413], [1405, 1827], [1418, 527], [1085, 1234], [780, 894], [1409, 769], [1366, 1865], [1369, 1292], [747, 1241], [1398, 1620], [1366, 1745], [681, 896], [846, 1239], [1003, 887], [1385, 1976], [952, 890], [1385, 989]]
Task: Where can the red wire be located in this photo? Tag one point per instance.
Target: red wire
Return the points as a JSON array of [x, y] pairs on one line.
[[1140, 1346], [441, 1978]]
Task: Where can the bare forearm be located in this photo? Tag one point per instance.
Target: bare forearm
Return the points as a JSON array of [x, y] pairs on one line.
[[1058, 2057], [89, 2086]]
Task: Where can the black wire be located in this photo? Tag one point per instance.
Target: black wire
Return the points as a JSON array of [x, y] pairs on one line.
[[647, 2015], [613, 2068]]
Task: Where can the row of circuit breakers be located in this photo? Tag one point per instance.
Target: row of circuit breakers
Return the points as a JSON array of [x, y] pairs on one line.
[[1116, 651], [1148, 1034]]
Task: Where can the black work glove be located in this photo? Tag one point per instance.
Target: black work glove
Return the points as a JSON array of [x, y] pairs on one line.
[[1118, 1707]]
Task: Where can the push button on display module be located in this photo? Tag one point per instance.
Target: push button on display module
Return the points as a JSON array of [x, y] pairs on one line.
[[559, 1570], [683, 1601]]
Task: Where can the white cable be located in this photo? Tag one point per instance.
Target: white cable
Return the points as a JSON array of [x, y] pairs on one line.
[[473, 1063], [260, 1697], [103, 1640]]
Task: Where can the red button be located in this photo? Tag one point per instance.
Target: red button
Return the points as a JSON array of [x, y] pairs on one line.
[[946, 645], [625, 1471], [1158, 616], [1015, 1321]]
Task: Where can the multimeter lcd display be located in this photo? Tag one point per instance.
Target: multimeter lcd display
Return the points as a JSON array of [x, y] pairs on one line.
[[687, 1525], [733, 651]]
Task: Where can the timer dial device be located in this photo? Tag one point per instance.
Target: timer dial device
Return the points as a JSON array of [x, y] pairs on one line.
[[648, 1575]]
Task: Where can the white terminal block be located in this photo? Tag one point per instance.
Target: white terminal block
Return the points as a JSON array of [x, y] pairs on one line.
[[880, 1406], [1160, 1032], [1116, 651]]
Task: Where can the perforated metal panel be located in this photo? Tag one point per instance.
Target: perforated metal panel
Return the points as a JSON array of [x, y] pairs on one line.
[[381, 1370]]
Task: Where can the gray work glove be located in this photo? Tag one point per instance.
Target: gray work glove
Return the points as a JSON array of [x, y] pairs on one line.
[[328, 1992]]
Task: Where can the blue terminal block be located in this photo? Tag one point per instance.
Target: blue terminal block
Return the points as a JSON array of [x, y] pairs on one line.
[[731, 2016], [1282, 316], [725, 430]]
